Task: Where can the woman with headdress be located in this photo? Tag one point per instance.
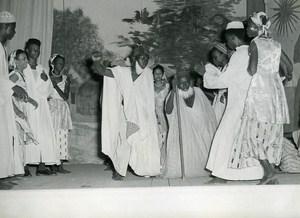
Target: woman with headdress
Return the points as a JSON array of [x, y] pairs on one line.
[[59, 109], [266, 110], [17, 63], [161, 90]]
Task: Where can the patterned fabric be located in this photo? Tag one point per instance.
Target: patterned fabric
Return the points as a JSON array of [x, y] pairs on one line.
[[59, 109], [162, 125], [266, 100], [257, 140], [290, 161], [265, 112], [62, 142], [61, 120], [237, 80]]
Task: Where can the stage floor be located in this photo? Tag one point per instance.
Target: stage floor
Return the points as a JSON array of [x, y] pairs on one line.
[[94, 176], [89, 191]]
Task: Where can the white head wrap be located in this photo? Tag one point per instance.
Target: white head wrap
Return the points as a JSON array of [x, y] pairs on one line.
[[263, 25], [52, 60]]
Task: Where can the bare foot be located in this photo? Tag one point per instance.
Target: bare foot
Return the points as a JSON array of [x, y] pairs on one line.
[[108, 167], [116, 176], [273, 182], [216, 180], [267, 179]]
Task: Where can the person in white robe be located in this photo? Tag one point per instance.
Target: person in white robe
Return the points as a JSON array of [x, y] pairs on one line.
[[39, 87], [17, 63], [10, 162], [129, 129], [220, 60], [236, 79], [197, 127]]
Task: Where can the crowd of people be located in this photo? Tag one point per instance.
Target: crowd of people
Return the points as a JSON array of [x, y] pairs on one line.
[[167, 127], [157, 125], [34, 111]]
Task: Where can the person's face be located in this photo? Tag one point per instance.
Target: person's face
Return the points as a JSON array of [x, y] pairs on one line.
[[231, 41], [199, 82], [183, 83], [143, 61], [218, 58], [252, 29], [157, 74], [22, 61], [11, 30], [33, 51], [59, 64]]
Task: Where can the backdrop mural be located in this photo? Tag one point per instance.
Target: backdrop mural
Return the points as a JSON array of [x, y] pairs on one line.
[[177, 32], [285, 17]]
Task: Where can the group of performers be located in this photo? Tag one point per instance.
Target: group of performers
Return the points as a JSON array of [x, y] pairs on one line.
[[157, 125], [172, 129], [34, 113]]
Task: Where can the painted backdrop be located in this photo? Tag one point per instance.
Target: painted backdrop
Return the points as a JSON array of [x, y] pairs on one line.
[[177, 32]]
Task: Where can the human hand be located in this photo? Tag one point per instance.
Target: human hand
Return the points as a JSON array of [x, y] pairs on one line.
[[20, 92], [200, 68], [44, 76], [33, 102], [223, 98], [20, 114]]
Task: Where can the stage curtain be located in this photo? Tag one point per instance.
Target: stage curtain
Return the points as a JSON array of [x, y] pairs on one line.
[[34, 19]]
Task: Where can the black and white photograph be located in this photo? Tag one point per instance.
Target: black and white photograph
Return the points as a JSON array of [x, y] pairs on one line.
[[149, 108]]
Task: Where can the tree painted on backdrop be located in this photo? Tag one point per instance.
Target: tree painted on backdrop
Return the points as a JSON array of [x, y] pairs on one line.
[[75, 36], [181, 32]]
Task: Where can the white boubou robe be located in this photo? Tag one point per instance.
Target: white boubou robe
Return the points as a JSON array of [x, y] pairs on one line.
[[237, 80], [198, 126], [10, 159], [129, 130], [40, 120], [218, 106]]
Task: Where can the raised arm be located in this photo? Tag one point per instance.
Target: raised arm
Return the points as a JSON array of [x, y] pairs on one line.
[[98, 67]]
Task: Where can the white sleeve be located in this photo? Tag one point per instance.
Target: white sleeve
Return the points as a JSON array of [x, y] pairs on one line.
[[236, 66]]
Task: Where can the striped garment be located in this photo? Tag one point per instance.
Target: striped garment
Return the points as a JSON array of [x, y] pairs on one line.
[[290, 161]]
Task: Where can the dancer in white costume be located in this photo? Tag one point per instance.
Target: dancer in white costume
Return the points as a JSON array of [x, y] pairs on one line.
[[220, 60], [236, 79], [10, 161], [198, 125], [18, 62], [129, 128], [39, 87], [266, 109]]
